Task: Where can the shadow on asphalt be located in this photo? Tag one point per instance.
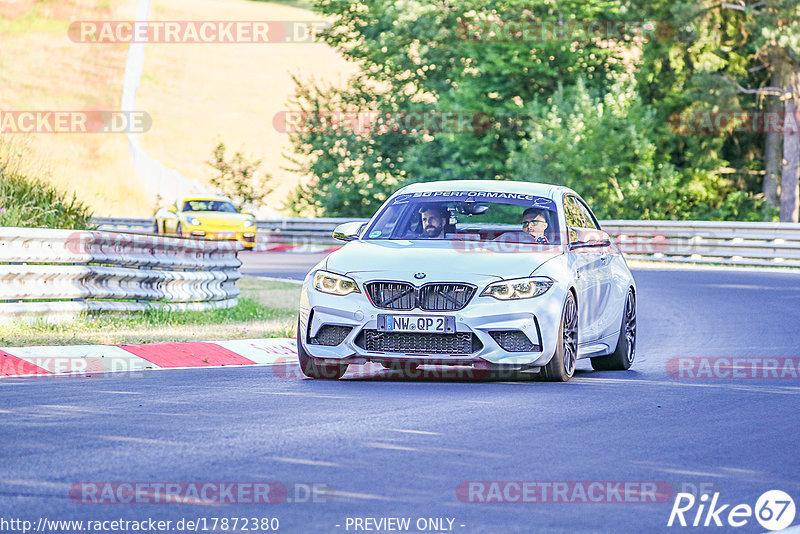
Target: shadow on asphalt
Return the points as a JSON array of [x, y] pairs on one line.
[[290, 370]]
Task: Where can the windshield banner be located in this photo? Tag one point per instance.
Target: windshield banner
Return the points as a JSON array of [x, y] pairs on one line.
[[520, 199]]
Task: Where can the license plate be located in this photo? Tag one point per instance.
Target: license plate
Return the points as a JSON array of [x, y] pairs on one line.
[[436, 324], [226, 233]]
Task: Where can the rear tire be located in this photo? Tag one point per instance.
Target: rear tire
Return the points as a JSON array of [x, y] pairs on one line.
[[179, 230], [625, 352], [561, 366], [155, 227], [312, 369]]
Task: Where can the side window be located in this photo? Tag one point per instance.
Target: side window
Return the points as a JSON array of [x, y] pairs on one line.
[[574, 213], [587, 216], [578, 214]]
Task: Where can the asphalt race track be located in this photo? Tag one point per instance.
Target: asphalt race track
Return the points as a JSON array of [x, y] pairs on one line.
[[286, 265], [380, 445]]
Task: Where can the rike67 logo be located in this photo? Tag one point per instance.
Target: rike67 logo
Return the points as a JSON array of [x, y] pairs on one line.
[[774, 510]]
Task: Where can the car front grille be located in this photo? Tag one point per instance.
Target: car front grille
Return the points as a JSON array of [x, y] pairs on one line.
[[514, 341], [418, 343], [392, 295], [444, 297], [430, 297], [330, 335]]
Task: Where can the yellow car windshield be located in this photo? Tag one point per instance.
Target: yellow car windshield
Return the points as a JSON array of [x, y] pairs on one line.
[[208, 205]]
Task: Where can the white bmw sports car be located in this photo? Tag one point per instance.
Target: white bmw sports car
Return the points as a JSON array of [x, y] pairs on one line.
[[488, 274]]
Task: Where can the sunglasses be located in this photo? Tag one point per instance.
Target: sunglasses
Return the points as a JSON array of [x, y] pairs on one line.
[[525, 224]]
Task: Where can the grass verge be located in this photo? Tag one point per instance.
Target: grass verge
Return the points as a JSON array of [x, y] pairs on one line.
[[266, 309], [28, 201]]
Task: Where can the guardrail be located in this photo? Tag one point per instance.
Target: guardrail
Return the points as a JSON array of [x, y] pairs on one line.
[[701, 242], [115, 224], [60, 273]]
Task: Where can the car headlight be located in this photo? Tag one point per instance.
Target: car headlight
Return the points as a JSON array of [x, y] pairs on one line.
[[519, 288], [194, 222], [248, 223], [334, 284]]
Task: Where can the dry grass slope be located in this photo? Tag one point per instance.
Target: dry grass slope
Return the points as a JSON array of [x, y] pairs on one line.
[[195, 93]]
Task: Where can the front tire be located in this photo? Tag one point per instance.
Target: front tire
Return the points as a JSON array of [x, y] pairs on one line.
[[625, 352], [179, 230], [313, 369], [561, 366]]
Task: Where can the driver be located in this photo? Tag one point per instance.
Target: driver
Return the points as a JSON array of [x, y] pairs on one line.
[[434, 220], [534, 223]]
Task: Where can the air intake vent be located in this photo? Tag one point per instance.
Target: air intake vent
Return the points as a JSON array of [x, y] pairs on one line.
[[514, 341], [330, 335], [418, 343]]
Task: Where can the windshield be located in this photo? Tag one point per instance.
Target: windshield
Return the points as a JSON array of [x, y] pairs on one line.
[[208, 205], [468, 215]]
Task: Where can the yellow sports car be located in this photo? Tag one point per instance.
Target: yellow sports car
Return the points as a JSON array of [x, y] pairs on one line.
[[206, 217]]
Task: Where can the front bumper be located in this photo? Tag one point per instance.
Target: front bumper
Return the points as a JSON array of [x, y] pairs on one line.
[[247, 238], [538, 318]]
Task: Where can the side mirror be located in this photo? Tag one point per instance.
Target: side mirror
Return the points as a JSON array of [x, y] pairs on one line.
[[588, 237], [348, 231], [173, 209]]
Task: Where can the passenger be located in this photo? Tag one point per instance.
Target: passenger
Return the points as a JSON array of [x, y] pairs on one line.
[[534, 222], [434, 221]]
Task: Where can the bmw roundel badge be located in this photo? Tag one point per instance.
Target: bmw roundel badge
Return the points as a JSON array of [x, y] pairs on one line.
[[419, 276]]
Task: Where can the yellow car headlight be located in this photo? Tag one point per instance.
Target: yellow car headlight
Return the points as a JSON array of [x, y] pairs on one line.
[[334, 284], [519, 288]]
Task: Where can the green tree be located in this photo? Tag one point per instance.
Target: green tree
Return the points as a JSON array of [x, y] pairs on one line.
[[239, 178], [417, 56], [577, 137], [619, 97], [730, 56]]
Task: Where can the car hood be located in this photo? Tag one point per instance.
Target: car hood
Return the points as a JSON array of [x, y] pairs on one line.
[[439, 260]]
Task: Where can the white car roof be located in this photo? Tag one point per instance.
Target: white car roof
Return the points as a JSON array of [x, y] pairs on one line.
[[500, 186]]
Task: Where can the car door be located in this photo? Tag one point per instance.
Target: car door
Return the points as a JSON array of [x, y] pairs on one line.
[[606, 318], [586, 264]]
